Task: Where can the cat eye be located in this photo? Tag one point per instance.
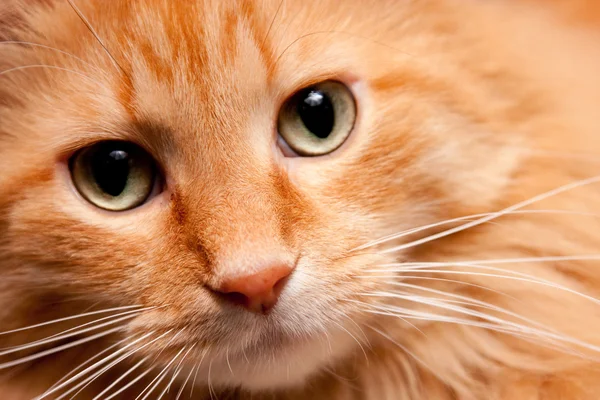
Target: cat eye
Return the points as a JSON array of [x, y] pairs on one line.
[[114, 175], [317, 120]]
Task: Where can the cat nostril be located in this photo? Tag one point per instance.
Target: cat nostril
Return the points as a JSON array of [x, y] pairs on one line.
[[237, 298], [257, 292]]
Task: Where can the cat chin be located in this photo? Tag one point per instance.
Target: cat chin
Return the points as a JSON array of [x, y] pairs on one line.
[[276, 369]]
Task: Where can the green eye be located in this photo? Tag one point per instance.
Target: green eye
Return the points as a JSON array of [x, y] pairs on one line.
[[114, 175], [318, 119]]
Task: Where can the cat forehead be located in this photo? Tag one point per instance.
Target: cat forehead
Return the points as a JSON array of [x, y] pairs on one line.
[[215, 68], [217, 43]]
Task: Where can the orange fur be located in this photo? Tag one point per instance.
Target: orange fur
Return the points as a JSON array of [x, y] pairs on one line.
[[464, 107]]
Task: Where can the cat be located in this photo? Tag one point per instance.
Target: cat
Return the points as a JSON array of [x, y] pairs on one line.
[[291, 200]]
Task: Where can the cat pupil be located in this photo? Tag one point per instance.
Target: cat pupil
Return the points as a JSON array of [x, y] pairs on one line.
[[110, 168], [317, 114]]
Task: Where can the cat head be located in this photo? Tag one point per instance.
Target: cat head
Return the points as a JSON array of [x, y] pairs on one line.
[[223, 165]]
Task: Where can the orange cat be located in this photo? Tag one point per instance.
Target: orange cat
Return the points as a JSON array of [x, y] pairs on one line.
[[293, 200]]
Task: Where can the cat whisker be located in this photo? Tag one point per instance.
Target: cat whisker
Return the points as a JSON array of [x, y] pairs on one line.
[[210, 387], [362, 332], [106, 359], [161, 375], [64, 333], [328, 342], [585, 257], [176, 373], [405, 349], [166, 345], [119, 379], [227, 359], [272, 22], [182, 386], [56, 321], [26, 67], [502, 274], [65, 336], [472, 302], [43, 46], [130, 383], [580, 257], [427, 267], [59, 348], [96, 36], [534, 339], [407, 232], [197, 369], [245, 355], [397, 316], [492, 216], [355, 339], [405, 313], [448, 305], [429, 278], [487, 317], [348, 34], [88, 361], [341, 379]]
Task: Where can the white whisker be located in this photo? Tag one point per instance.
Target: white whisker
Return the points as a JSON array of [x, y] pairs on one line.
[[396, 312], [501, 322], [62, 337], [362, 332], [355, 339], [94, 33], [125, 374], [184, 384], [535, 199], [196, 374], [210, 388], [515, 278], [228, 363], [96, 375], [428, 278], [82, 365], [26, 67], [156, 381], [58, 349], [88, 369], [43, 46], [473, 302], [587, 257], [511, 275], [63, 334], [176, 373], [406, 350], [409, 314], [411, 231], [131, 383], [56, 321]]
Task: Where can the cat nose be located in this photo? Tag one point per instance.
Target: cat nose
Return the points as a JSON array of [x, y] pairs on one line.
[[257, 292]]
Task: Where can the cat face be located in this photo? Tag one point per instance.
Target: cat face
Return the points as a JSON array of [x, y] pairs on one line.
[[200, 87], [241, 233]]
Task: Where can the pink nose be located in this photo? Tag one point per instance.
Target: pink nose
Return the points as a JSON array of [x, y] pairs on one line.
[[257, 292]]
